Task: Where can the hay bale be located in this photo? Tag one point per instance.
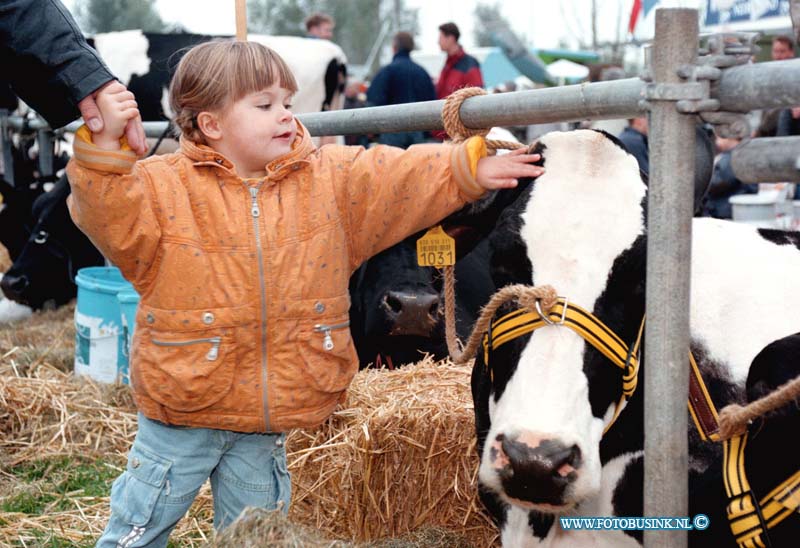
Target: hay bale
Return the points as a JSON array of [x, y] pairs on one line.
[[5, 259], [398, 455]]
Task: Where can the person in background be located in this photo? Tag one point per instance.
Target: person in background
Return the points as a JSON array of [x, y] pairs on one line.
[[320, 25], [782, 50], [634, 137], [724, 183], [460, 70], [401, 81], [48, 64]]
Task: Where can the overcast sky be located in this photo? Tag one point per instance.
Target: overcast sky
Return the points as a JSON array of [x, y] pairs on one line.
[[545, 23]]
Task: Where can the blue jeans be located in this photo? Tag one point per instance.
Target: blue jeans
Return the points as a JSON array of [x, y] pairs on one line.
[[167, 465]]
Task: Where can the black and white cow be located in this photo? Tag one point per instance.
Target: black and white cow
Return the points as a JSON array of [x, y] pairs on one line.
[[43, 275], [541, 408]]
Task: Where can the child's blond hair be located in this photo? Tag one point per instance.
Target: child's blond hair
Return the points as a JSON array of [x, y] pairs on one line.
[[212, 75]]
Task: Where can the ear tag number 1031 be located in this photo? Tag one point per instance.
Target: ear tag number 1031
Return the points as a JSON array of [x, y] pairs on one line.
[[436, 248]]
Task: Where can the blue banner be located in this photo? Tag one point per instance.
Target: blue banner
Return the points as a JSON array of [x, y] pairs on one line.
[[722, 12]]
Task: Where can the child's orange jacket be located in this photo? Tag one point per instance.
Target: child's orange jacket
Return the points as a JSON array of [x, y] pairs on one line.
[[236, 277]]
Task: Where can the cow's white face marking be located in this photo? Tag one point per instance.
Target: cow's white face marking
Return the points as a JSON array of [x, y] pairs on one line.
[[582, 214], [124, 52]]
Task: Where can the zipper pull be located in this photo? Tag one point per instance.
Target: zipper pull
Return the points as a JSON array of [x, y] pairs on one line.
[[213, 353], [254, 211], [327, 341]]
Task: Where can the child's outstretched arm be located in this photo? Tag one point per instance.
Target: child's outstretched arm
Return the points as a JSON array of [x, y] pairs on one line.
[[495, 172], [112, 199], [117, 105], [392, 193]]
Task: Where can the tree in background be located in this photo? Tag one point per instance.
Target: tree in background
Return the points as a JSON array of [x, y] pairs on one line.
[[489, 20], [358, 22], [109, 15]]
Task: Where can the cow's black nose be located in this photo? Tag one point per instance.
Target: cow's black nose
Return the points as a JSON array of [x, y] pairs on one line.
[[541, 473], [411, 313], [14, 286]]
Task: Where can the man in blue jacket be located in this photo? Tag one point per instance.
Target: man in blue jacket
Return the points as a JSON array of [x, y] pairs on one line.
[[401, 81]]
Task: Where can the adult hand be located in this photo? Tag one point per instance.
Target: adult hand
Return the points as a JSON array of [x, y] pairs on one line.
[[134, 130]]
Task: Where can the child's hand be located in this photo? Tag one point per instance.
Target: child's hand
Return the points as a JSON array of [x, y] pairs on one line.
[[117, 105], [503, 171]]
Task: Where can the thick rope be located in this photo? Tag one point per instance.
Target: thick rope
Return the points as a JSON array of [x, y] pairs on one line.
[[525, 295], [458, 132], [451, 117], [455, 128], [734, 418]]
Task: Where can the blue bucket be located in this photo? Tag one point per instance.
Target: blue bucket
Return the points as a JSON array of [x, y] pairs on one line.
[[128, 303], [100, 345]]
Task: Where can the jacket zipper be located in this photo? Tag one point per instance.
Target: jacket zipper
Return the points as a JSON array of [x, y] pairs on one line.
[[212, 354], [327, 341], [255, 212]]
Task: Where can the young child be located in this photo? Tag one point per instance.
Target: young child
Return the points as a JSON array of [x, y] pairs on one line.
[[241, 246]]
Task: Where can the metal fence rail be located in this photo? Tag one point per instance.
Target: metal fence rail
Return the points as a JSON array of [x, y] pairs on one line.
[[744, 88]]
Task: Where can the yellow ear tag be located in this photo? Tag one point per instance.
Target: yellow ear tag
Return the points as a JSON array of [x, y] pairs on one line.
[[436, 248]]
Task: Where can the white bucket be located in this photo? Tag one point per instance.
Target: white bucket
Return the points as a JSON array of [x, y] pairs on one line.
[[770, 208]]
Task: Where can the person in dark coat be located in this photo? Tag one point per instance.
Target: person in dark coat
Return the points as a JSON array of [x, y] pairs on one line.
[[634, 137], [401, 81], [724, 183], [48, 63]]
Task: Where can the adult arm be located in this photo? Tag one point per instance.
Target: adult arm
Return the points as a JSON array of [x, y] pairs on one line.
[[49, 64], [46, 57]]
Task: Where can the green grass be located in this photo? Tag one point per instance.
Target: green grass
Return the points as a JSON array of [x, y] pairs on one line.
[[52, 482], [45, 540]]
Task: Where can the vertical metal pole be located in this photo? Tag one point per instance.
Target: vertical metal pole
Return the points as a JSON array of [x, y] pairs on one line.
[[45, 139], [671, 191]]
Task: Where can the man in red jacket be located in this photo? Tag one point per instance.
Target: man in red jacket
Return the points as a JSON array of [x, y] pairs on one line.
[[460, 70]]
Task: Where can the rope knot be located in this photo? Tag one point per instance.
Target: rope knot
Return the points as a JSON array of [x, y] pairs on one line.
[[546, 294], [451, 116], [732, 422]]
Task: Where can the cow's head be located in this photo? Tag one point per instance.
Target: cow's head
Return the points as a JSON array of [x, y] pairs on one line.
[[396, 315], [44, 272], [544, 399]]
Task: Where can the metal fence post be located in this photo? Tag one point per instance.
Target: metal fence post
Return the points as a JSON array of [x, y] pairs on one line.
[[670, 204]]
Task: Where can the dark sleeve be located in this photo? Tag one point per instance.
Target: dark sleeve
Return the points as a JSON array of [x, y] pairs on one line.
[[46, 58], [723, 181], [377, 94], [784, 123], [638, 148], [428, 91], [473, 77]]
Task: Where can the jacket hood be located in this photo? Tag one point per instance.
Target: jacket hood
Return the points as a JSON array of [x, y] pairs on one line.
[[277, 169]]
